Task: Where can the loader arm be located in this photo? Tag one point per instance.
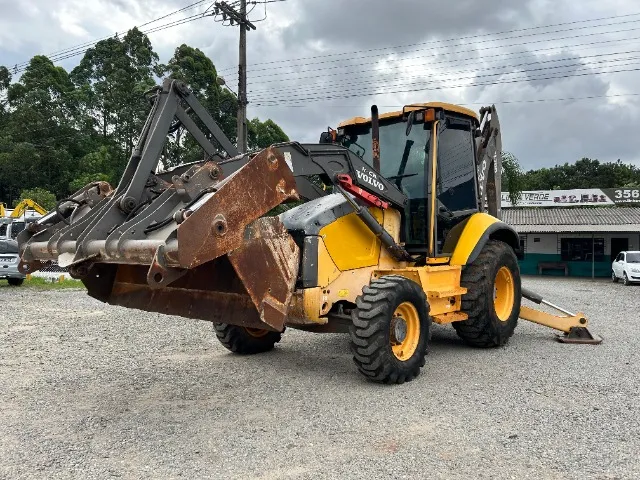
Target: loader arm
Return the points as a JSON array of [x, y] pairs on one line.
[[147, 209], [489, 162], [158, 234]]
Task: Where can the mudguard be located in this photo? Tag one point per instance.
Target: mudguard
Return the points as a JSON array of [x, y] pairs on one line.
[[465, 240]]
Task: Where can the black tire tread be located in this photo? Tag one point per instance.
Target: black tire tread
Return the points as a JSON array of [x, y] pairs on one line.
[[477, 330], [236, 339], [15, 282], [369, 330]]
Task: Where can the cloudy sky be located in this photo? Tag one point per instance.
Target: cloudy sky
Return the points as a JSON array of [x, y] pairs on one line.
[[563, 73]]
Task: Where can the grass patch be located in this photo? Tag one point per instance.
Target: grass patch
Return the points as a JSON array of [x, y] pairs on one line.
[[45, 284]]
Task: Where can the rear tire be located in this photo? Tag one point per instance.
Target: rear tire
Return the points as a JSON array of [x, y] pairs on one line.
[[614, 279], [493, 297], [15, 282], [246, 341], [625, 280], [391, 330]]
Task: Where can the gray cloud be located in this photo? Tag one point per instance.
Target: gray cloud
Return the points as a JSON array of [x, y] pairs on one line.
[[366, 23], [307, 95]]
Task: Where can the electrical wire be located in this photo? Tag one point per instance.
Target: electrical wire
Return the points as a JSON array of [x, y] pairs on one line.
[[477, 43], [522, 53], [282, 72], [360, 91], [257, 94], [488, 102], [430, 42], [366, 93], [86, 45]]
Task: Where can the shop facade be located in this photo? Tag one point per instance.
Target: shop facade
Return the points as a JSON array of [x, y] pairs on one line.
[[578, 234]]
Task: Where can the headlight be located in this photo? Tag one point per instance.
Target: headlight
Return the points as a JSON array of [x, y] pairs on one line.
[[635, 270]]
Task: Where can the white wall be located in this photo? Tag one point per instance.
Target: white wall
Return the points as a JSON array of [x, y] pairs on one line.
[[550, 242]]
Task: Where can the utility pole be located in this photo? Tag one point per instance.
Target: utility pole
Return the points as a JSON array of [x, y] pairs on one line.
[[242, 82], [240, 18]]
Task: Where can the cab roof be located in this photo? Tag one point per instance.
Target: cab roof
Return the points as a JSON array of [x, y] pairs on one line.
[[414, 106]]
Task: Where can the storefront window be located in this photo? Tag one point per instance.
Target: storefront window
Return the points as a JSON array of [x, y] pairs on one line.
[[582, 249]]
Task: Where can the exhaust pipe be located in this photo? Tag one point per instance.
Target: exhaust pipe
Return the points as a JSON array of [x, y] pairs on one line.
[[375, 137]]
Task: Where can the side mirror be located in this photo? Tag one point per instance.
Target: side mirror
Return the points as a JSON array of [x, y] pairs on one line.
[[325, 137], [410, 120]]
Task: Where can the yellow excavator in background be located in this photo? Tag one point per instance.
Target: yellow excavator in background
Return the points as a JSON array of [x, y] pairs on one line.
[[10, 226], [22, 207]]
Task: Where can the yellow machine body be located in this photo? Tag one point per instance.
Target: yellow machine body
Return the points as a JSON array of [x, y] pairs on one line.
[[351, 256]]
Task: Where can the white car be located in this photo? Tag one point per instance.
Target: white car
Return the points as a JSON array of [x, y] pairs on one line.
[[626, 267]]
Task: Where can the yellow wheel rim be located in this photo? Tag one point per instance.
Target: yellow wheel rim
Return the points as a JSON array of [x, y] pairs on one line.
[[405, 331], [256, 332], [504, 294]]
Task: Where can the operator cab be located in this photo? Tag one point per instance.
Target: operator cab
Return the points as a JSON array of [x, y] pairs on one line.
[[406, 142]]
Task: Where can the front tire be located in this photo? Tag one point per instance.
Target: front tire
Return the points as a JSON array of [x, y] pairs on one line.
[[625, 280], [244, 340], [493, 297], [614, 279], [390, 330], [15, 282]]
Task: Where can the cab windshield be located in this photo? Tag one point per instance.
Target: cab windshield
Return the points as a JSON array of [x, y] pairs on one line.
[[402, 162], [405, 155]]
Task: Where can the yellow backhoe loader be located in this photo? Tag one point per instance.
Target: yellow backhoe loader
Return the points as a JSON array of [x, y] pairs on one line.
[[386, 225]]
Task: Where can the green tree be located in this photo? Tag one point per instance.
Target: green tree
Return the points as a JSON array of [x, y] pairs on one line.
[[60, 131], [42, 197], [263, 134], [38, 139], [95, 166], [5, 81], [197, 70], [512, 177], [111, 80], [585, 173]]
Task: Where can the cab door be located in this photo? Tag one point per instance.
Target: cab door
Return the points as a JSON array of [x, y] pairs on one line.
[[618, 265]]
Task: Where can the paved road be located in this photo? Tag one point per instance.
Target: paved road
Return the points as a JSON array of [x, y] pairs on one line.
[[92, 391]]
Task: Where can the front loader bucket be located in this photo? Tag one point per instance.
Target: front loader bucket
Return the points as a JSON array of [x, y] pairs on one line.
[[199, 249]]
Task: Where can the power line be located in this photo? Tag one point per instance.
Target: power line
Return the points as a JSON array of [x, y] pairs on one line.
[[342, 54], [258, 94], [317, 71], [366, 93], [576, 46], [93, 42], [488, 102], [152, 30], [481, 42]]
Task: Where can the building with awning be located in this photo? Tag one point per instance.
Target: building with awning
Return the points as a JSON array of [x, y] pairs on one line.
[[577, 238]]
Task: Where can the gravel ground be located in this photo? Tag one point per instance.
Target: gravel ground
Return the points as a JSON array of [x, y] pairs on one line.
[[93, 391]]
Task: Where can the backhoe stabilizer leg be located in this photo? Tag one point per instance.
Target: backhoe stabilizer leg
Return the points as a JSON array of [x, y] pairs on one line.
[[574, 327]]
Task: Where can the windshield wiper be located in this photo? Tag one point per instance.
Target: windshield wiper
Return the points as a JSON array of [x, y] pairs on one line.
[[394, 177]]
